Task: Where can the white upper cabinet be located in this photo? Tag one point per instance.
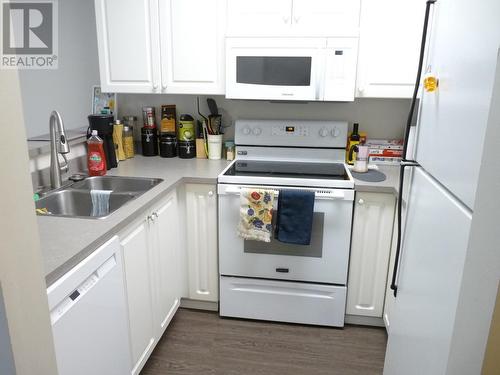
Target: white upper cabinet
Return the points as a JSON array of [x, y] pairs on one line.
[[276, 18], [192, 46], [128, 44], [161, 46], [258, 17], [325, 17], [389, 46]]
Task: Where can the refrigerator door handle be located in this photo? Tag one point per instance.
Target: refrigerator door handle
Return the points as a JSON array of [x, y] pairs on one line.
[[405, 162], [394, 285]]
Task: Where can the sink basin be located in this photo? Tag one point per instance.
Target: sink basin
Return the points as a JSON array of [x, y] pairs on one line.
[[76, 200], [78, 203], [117, 184]]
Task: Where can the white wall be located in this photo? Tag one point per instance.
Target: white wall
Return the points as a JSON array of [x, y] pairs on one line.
[[381, 118], [21, 270], [68, 88]]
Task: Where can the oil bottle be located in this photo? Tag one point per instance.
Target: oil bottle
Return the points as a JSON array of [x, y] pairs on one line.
[[353, 140]]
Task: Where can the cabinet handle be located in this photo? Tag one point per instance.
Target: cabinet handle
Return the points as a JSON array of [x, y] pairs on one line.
[[210, 193], [296, 19], [154, 215], [286, 19], [155, 86], [150, 219], [164, 87], [361, 201]]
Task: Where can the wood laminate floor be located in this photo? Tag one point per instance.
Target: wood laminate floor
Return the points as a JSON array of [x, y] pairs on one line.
[[199, 342]]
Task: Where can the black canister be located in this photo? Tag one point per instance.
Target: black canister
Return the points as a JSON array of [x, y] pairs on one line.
[[149, 138], [187, 149], [168, 146]]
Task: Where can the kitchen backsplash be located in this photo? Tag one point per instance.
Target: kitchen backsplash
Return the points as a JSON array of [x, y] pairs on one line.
[[380, 118]]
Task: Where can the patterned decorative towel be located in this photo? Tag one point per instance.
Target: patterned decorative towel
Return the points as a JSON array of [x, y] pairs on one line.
[[256, 214]]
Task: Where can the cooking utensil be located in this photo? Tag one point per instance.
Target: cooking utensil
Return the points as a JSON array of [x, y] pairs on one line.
[[212, 106], [215, 123], [198, 106]]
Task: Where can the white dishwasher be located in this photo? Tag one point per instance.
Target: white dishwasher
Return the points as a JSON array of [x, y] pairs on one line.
[[88, 312]]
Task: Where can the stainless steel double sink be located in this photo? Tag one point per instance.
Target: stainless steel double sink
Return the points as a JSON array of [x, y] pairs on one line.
[[75, 200]]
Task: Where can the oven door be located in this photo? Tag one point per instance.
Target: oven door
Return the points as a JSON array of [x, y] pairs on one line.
[[275, 69], [325, 260]]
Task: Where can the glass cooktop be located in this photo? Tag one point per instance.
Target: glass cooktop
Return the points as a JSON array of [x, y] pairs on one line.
[[259, 168]]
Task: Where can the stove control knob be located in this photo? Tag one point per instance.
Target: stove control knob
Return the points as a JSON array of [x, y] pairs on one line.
[[256, 131], [323, 132], [246, 130], [335, 132]]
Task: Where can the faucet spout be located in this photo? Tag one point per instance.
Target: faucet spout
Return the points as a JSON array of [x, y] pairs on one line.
[[58, 145]]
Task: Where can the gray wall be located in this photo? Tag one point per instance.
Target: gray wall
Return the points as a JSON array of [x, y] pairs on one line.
[[68, 88], [381, 118]]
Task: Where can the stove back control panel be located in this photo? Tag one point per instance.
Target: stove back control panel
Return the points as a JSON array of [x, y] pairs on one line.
[[291, 133]]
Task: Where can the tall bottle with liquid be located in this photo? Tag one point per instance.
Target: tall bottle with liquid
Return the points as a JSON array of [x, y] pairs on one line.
[[353, 140], [96, 158]]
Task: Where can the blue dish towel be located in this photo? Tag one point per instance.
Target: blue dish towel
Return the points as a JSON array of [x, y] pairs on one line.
[[294, 217]]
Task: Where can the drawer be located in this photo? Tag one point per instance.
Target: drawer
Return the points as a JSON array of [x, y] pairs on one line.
[[282, 301]]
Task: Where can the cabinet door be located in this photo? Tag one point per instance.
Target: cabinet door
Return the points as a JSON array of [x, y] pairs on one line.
[[370, 249], [137, 262], [192, 46], [128, 45], [166, 265], [325, 18], [389, 47], [259, 17], [201, 215]]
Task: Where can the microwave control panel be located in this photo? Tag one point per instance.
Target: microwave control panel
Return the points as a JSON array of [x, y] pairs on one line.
[[291, 133]]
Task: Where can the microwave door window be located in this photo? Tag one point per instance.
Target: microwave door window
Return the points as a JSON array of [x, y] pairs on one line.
[[274, 71], [275, 247]]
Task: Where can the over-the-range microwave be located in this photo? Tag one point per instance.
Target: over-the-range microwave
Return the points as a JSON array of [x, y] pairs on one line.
[[307, 69]]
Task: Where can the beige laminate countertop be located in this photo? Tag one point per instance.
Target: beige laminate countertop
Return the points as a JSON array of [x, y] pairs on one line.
[[390, 185], [67, 241]]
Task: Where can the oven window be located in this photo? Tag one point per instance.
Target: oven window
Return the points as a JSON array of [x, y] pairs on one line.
[[314, 249], [273, 71]]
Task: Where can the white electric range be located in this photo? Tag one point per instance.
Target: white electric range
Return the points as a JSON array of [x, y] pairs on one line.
[[279, 281]]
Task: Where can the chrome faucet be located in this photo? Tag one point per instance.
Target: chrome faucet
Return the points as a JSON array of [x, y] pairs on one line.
[[58, 145]]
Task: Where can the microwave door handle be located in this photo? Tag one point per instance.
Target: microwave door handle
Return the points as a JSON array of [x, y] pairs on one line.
[[321, 75]]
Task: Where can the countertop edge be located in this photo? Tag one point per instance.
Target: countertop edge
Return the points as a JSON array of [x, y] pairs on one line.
[[53, 276]]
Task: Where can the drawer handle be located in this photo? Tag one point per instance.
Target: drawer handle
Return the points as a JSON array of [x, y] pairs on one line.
[[282, 270]]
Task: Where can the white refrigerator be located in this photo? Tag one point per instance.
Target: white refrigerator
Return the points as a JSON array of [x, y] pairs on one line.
[[461, 50]]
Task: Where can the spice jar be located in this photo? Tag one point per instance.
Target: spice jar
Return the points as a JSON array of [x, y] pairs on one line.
[[229, 145], [131, 121], [128, 141]]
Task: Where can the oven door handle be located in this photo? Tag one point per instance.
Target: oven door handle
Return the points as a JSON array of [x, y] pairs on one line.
[[322, 194]]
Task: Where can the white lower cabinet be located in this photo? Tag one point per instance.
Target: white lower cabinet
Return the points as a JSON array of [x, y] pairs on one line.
[[137, 261], [201, 242], [151, 276], [370, 248]]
